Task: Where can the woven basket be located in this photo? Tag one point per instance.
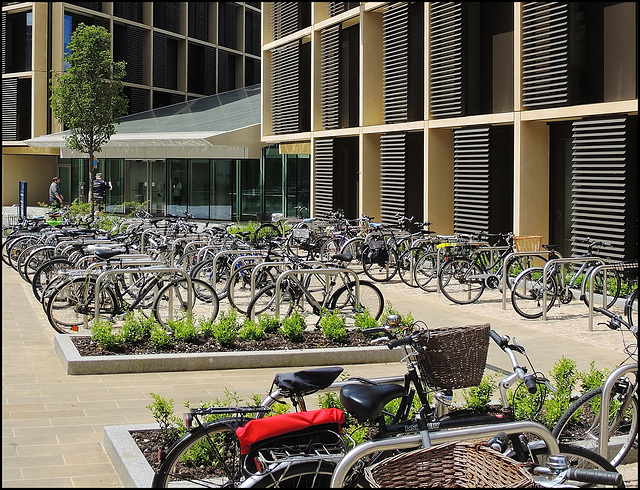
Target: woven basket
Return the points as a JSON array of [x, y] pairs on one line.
[[460, 464], [524, 243], [454, 357]]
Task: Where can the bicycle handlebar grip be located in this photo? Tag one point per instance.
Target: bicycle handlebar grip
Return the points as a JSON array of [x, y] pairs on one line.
[[595, 476], [496, 338], [530, 382], [375, 330], [398, 342]]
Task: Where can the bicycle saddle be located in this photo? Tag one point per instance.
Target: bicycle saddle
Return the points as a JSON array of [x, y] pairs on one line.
[[107, 253], [366, 401], [307, 381]]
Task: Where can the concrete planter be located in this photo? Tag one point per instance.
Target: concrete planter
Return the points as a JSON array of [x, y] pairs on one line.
[[74, 363]]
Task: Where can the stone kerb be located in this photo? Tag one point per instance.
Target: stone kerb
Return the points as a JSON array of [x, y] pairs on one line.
[[74, 363]]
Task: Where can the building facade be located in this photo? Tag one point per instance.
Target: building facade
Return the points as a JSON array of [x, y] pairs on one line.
[[176, 52], [476, 116]]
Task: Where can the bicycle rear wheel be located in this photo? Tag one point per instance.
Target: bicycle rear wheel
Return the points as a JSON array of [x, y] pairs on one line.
[[425, 271], [45, 273], [172, 302], [382, 271], [631, 308], [239, 286], [527, 294], [307, 474], [208, 456], [461, 281], [580, 424], [264, 301]]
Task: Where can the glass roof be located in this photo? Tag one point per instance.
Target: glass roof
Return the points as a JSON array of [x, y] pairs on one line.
[[218, 113]]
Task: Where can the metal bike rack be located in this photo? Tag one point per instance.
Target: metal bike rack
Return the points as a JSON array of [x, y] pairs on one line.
[[453, 244], [222, 253], [505, 270], [326, 272], [605, 267], [102, 277], [262, 265], [607, 388], [562, 261], [482, 432]]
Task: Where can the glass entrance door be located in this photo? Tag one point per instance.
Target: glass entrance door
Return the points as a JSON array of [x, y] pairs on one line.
[[145, 181]]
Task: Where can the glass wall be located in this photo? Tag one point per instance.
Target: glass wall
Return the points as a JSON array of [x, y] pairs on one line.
[[223, 190], [178, 185], [196, 194]]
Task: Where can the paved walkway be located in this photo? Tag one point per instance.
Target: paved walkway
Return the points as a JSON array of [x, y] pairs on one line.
[[52, 423]]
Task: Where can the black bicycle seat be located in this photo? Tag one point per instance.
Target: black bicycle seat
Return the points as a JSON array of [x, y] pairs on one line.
[[107, 253], [366, 401], [307, 381]]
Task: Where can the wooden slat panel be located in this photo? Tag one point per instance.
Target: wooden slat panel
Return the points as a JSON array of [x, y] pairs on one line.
[[445, 60], [471, 177], [393, 176], [285, 100], [545, 54], [600, 184], [323, 176], [395, 32], [284, 19], [330, 77], [9, 109]]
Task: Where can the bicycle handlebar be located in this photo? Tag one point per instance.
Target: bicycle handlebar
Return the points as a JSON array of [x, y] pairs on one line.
[[616, 320], [503, 342], [595, 476]]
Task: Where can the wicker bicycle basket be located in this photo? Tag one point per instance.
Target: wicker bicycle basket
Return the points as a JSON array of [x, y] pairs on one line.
[[462, 464], [527, 243], [454, 357]]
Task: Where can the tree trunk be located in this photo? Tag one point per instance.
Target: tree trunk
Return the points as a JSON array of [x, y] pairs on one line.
[[91, 179]]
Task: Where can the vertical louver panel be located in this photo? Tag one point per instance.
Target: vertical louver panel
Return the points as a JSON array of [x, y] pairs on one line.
[[201, 21], [172, 16], [284, 19], [160, 60], [395, 33], [137, 100], [323, 176], [393, 176], [545, 54], [445, 59], [330, 77], [471, 177], [134, 55], [223, 71], [285, 100], [599, 184], [9, 109], [230, 34], [209, 70], [4, 42]]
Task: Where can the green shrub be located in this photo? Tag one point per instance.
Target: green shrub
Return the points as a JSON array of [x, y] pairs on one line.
[[334, 326], [207, 327], [171, 427], [593, 378], [293, 327], [136, 328], [225, 329], [269, 323], [364, 319], [184, 329], [102, 334], [479, 397], [161, 338], [250, 330]]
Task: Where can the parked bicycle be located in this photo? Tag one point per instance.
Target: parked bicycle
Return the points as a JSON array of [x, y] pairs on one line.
[[527, 294], [303, 450], [580, 424]]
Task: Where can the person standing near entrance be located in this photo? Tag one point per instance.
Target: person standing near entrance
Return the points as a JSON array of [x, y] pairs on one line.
[[100, 191], [55, 198], [176, 190]]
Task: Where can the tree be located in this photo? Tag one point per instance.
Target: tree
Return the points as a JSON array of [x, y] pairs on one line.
[[88, 98]]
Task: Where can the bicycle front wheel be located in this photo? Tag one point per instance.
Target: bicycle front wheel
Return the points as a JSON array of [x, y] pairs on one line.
[[461, 282], [208, 456], [425, 271], [173, 301], [239, 286], [580, 424], [631, 308], [527, 294], [382, 271], [370, 298]]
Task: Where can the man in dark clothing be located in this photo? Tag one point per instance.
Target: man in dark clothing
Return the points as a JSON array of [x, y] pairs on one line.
[[55, 198], [100, 190]]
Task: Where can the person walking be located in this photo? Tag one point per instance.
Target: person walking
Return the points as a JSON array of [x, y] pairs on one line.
[[55, 198], [100, 191]]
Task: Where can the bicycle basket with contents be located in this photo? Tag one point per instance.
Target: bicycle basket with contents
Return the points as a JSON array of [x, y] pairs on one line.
[[453, 357], [375, 252]]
